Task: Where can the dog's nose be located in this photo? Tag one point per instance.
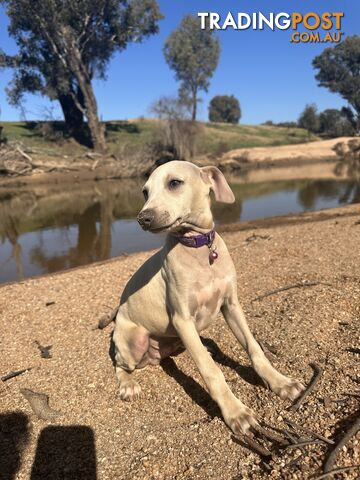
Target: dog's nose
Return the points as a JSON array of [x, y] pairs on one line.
[[145, 218]]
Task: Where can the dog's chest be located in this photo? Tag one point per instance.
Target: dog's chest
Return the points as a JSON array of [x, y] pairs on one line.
[[206, 298]]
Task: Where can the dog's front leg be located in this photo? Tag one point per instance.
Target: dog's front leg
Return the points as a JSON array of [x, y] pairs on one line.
[[283, 386], [237, 416]]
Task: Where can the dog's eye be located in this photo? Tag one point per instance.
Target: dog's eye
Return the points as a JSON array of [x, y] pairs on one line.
[[146, 194], [175, 183]]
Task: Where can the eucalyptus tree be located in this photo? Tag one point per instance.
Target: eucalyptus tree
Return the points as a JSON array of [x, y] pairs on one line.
[[338, 69], [64, 44], [193, 53]]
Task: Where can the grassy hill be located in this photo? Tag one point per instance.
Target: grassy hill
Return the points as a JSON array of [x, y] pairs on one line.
[[135, 134]]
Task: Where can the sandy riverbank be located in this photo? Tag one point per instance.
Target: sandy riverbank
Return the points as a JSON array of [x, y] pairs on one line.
[[175, 431], [245, 159], [283, 155]]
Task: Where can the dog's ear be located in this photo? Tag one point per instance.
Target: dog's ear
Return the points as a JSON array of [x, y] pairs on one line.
[[219, 185]]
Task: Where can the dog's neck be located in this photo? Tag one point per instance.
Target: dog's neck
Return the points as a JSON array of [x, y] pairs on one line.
[[194, 240], [192, 230], [192, 233]]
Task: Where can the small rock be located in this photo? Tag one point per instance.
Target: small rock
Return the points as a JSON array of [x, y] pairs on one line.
[[189, 471]]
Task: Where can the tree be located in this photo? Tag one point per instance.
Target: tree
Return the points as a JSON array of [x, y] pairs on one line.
[[309, 119], [44, 74], [339, 71], [64, 44], [193, 54], [224, 108], [334, 123]]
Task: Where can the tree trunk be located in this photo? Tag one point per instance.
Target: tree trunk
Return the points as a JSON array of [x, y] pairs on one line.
[[194, 106], [73, 116], [83, 79], [97, 132]]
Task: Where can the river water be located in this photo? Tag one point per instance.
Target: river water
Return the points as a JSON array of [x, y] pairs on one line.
[[50, 228]]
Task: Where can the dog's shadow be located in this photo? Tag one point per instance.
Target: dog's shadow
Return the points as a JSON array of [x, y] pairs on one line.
[[246, 373], [198, 394]]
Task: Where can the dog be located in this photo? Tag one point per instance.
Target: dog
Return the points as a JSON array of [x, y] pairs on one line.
[[180, 290]]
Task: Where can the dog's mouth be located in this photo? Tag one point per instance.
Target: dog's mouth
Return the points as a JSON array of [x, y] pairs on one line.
[[166, 228], [180, 225]]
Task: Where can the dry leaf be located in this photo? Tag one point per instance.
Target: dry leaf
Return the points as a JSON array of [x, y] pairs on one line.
[[39, 402]]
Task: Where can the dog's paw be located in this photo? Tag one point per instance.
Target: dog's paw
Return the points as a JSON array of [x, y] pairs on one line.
[[240, 418], [129, 390], [288, 388]]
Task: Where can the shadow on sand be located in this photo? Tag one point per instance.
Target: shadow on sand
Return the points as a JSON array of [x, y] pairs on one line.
[[62, 452]]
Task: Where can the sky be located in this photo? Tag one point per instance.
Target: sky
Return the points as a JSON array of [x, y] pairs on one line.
[[272, 78]]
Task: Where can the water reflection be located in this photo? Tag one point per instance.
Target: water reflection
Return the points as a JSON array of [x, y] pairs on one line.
[[345, 193], [48, 229]]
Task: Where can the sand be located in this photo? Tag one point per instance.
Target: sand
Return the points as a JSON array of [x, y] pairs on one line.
[[175, 430], [283, 155]]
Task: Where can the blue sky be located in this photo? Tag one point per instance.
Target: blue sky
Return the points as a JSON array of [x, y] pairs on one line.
[[272, 78]]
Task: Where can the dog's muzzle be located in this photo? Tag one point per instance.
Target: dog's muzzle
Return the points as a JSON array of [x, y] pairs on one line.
[[146, 218]]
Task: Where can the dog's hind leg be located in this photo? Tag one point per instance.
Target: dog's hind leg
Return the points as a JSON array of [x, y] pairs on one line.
[[131, 347]]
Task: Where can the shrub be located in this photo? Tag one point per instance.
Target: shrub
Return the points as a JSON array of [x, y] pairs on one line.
[[178, 134]]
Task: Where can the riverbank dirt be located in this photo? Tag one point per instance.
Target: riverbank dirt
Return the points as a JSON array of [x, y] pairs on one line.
[[175, 431], [282, 155], [61, 170]]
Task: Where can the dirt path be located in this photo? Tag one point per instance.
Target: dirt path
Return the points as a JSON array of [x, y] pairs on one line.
[[175, 431]]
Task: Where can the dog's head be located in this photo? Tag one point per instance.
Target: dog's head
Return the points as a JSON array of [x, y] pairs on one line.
[[177, 197]]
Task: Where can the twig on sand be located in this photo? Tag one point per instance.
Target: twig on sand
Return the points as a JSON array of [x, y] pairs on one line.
[[303, 443], [288, 287], [296, 426], [294, 440], [267, 348], [352, 394], [262, 451], [355, 427], [316, 377], [353, 350], [295, 461], [337, 470], [254, 236], [14, 374], [44, 351], [270, 435]]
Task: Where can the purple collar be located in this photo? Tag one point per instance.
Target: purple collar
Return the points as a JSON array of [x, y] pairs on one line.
[[197, 241]]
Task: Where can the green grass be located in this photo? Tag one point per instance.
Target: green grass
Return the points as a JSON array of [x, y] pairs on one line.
[[132, 135]]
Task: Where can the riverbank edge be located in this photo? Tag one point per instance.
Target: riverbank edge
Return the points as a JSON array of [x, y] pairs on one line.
[[235, 161], [268, 223], [107, 173]]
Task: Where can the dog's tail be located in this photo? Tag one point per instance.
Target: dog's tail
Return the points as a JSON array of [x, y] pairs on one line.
[[106, 319]]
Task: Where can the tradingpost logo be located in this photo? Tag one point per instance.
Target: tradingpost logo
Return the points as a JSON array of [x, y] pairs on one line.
[[309, 27]]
